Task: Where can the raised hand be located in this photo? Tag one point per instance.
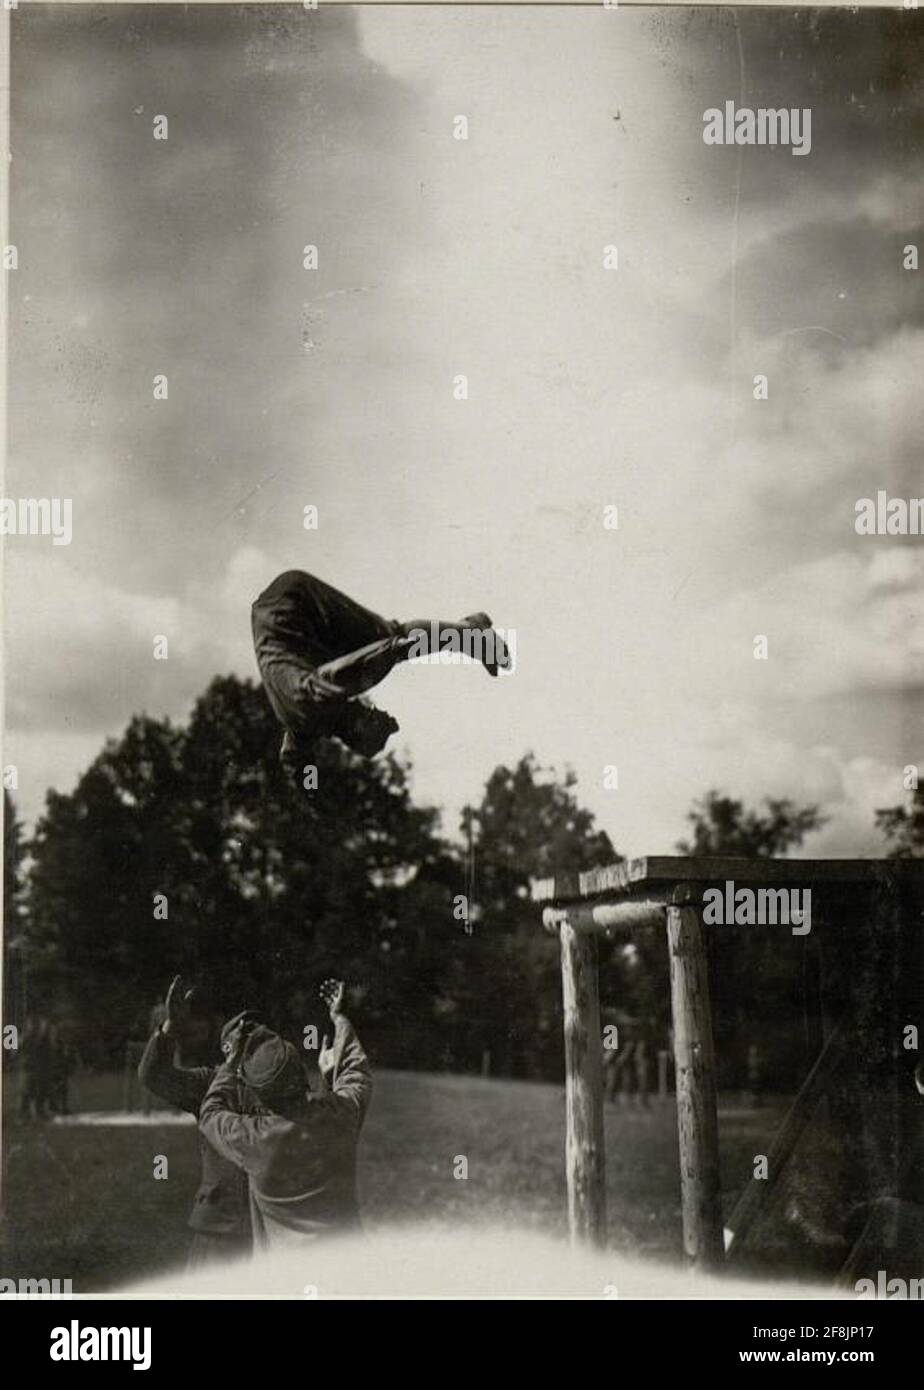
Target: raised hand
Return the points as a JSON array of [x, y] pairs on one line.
[[326, 1057], [178, 1005], [233, 1045], [331, 992]]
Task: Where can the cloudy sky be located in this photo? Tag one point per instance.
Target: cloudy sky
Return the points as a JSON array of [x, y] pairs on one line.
[[587, 387]]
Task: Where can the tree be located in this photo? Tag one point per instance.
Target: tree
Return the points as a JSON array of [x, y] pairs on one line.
[[528, 823], [14, 854], [903, 827], [752, 978], [185, 849], [15, 942], [722, 825]]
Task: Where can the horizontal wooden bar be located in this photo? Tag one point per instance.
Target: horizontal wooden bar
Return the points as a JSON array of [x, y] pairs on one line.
[[632, 875], [599, 918]]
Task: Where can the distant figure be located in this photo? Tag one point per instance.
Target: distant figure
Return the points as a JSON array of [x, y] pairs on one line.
[[62, 1065], [220, 1217], [627, 1068], [299, 1153], [318, 650], [614, 1062], [642, 1068], [37, 1067], [753, 1095]]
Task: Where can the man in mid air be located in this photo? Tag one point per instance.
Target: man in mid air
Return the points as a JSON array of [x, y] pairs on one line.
[[318, 651]]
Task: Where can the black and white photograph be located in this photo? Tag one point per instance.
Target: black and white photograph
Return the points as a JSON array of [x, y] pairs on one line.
[[463, 660]]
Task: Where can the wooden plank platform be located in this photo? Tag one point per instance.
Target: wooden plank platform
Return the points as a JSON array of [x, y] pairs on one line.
[[873, 986], [653, 872]]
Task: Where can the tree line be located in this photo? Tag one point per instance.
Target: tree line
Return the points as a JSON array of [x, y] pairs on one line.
[[184, 850]]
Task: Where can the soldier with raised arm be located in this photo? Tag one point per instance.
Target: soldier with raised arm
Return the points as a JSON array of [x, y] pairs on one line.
[[220, 1216], [299, 1150]]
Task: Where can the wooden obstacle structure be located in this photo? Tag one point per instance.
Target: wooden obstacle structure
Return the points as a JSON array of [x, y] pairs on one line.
[[666, 894]]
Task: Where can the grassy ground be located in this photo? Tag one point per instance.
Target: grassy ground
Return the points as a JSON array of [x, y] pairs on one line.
[[81, 1201]]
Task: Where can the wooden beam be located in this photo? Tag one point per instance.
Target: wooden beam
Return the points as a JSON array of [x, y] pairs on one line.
[[600, 918], [585, 1167], [694, 1060], [631, 875]]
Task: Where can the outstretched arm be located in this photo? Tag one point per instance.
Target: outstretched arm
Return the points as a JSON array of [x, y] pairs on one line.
[[352, 1079], [159, 1071], [345, 1075]]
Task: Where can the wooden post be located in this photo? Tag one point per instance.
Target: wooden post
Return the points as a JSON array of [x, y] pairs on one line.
[[584, 1156], [694, 1061]]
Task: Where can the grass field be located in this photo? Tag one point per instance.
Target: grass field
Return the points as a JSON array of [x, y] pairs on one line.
[[81, 1201]]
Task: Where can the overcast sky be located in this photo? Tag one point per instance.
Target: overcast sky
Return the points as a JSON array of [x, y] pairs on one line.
[[587, 387]]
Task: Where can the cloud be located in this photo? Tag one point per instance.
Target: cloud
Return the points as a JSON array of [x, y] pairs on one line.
[[185, 257], [857, 71], [81, 649], [587, 388]]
